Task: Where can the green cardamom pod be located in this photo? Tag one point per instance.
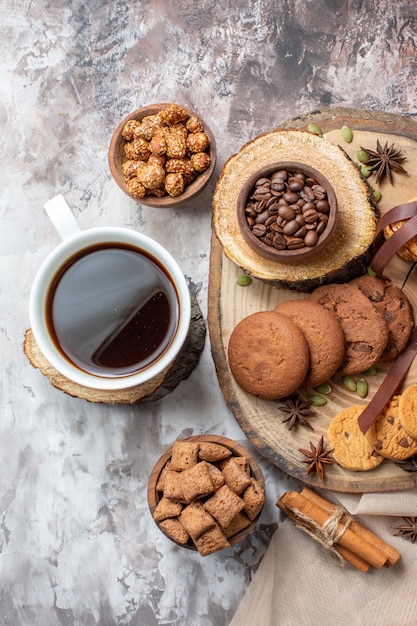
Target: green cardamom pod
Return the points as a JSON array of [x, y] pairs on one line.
[[317, 400], [362, 388], [243, 280], [313, 128], [349, 383], [325, 389], [366, 171], [347, 134], [362, 156]]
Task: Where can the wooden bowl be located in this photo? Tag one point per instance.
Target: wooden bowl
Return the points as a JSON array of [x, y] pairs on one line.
[[154, 496], [286, 255], [116, 157]]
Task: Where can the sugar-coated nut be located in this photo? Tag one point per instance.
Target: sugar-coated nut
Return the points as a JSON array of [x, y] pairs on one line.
[[162, 139], [158, 143], [176, 143], [197, 142], [152, 176], [130, 168], [174, 184], [147, 127], [194, 125], [173, 114], [200, 161], [129, 128], [141, 149], [136, 188]]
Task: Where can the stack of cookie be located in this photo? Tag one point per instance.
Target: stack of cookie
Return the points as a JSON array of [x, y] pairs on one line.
[[392, 436], [207, 496], [345, 328]]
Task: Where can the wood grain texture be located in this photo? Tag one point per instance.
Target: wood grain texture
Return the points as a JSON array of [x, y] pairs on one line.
[[228, 304]]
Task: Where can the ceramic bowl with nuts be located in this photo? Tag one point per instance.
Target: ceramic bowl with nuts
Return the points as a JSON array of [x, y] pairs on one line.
[[287, 212], [206, 493], [162, 155]]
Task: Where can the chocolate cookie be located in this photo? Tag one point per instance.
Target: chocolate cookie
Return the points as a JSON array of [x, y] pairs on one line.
[[407, 410], [389, 437], [364, 327], [351, 449], [393, 304], [324, 334], [268, 355]]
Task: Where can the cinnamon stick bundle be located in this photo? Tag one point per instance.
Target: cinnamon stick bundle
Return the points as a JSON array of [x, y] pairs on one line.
[[335, 529]]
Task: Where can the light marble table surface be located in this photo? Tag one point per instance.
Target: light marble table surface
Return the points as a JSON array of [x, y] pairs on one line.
[[77, 543]]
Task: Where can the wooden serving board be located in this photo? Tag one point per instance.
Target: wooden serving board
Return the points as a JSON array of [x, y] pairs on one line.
[[228, 303]]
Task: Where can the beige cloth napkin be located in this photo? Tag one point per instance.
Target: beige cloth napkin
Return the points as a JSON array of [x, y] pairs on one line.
[[298, 583]]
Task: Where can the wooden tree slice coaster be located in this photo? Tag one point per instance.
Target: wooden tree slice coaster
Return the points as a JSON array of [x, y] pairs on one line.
[[355, 229], [150, 391]]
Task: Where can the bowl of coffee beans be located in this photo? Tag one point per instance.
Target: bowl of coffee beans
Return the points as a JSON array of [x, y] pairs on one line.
[[162, 155], [287, 212]]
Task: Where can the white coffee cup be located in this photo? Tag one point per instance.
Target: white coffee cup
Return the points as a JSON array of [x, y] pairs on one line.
[[79, 244]]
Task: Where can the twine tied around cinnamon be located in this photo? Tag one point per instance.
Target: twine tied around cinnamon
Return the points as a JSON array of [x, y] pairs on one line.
[[330, 533], [337, 530]]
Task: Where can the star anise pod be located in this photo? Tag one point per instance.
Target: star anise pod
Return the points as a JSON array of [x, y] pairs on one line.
[[407, 529], [297, 412], [410, 465], [316, 457], [385, 160]]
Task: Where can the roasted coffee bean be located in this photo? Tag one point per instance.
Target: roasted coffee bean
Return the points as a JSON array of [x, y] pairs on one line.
[[279, 175], [279, 242], [270, 220], [311, 238], [290, 196], [295, 184], [293, 243], [288, 210], [307, 194], [310, 216], [259, 230], [291, 227], [262, 217], [323, 206], [278, 185]]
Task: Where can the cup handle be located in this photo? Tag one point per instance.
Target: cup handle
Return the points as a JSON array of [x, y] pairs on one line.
[[62, 217]]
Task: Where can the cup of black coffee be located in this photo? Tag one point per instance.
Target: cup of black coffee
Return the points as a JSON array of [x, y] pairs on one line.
[[109, 307]]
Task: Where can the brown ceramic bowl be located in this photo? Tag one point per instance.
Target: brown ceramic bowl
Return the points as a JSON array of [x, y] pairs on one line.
[[286, 255], [155, 496], [116, 158]]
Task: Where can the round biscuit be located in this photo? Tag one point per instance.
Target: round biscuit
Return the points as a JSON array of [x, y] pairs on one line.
[[394, 305], [324, 334], [407, 410], [268, 355], [351, 449], [364, 327], [389, 437]]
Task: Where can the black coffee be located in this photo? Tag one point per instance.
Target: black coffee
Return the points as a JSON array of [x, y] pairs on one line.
[[112, 310]]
